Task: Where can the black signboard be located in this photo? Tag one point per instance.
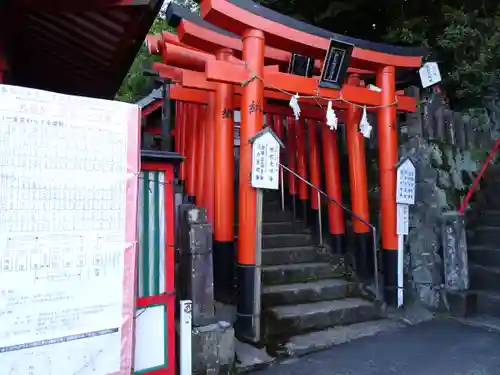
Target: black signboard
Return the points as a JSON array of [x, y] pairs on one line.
[[336, 64], [301, 65]]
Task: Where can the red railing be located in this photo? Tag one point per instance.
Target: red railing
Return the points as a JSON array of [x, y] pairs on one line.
[[473, 188]]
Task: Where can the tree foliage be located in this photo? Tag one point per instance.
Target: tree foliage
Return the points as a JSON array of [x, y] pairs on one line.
[[135, 85], [463, 36]]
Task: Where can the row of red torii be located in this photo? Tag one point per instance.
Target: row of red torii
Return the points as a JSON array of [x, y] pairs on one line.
[[234, 58]]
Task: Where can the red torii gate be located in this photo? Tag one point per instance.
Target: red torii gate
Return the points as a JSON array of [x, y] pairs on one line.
[[200, 91], [256, 24]]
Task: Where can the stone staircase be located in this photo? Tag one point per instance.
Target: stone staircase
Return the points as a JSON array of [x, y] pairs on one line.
[[483, 243], [308, 303]]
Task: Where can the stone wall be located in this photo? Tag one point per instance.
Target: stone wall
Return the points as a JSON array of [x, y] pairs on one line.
[[447, 149]]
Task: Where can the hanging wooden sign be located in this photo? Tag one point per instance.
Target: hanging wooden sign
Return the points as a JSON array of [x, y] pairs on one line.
[[335, 64]]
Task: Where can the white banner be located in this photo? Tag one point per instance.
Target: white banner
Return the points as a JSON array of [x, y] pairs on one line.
[[63, 195]]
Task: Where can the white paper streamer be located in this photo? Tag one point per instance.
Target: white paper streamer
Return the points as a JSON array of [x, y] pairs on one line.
[[294, 103], [364, 126], [374, 88], [331, 117]]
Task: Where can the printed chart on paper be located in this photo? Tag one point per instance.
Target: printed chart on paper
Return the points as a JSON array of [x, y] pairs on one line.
[[63, 178]]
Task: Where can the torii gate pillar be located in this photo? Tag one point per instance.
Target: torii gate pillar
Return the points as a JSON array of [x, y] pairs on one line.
[[247, 323], [388, 158], [223, 249]]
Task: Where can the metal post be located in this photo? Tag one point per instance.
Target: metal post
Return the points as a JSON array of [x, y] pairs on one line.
[[400, 270], [320, 221], [258, 263], [375, 262], [186, 362], [282, 190]]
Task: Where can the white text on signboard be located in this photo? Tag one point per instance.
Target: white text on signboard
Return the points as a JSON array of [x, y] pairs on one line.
[[405, 188], [265, 162], [429, 74]]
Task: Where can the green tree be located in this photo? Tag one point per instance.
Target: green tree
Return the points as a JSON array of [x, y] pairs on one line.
[[135, 85], [463, 36]]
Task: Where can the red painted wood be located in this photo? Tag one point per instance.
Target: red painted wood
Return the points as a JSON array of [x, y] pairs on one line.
[[234, 19]]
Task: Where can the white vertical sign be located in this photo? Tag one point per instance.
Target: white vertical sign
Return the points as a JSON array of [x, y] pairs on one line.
[[265, 162], [406, 181], [403, 219], [405, 196], [429, 74], [186, 331]]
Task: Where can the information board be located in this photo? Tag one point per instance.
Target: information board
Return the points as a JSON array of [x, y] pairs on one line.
[[406, 183], [429, 74], [68, 209], [265, 162]]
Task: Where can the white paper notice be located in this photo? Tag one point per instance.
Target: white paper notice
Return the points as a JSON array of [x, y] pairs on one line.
[[63, 172], [265, 162], [406, 183]]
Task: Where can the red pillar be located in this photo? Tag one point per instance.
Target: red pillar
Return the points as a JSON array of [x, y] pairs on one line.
[[177, 130], [278, 126], [182, 141], [191, 136], [314, 162], [251, 123], [270, 121], [200, 157], [300, 132], [333, 188], [359, 190], [388, 158], [223, 247], [209, 193], [291, 153]]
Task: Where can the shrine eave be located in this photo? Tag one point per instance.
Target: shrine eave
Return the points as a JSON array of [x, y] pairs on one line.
[[83, 51], [82, 5], [284, 32]]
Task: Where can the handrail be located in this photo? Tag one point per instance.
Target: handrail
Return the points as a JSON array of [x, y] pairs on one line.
[[371, 226], [473, 188], [329, 197]]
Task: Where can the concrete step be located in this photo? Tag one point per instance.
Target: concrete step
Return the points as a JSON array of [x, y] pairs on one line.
[[489, 218], [488, 303], [286, 227], [300, 273], [484, 236], [292, 255], [283, 227], [484, 278], [322, 290], [296, 319], [491, 197], [484, 256], [272, 241], [274, 216], [316, 341]]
